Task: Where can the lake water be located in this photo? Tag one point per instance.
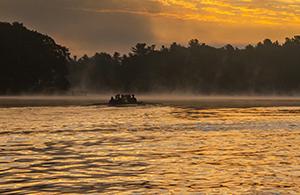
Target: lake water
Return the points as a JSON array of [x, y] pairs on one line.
[[167, 148]]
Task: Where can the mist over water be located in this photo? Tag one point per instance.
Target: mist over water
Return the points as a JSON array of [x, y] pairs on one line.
[[171, 99], [188, 145]]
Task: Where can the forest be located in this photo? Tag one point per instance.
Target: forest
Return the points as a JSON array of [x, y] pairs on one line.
[[33, 63]]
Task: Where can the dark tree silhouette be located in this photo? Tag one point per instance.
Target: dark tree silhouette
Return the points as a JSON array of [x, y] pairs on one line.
[[268, 67], [30, 61]]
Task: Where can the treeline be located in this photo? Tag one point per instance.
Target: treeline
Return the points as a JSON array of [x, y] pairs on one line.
[[268, 67], [31, 62]]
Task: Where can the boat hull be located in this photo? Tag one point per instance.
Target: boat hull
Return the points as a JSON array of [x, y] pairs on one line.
[[126, 104]]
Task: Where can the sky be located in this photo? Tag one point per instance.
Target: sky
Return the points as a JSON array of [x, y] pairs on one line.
[[89, 26]]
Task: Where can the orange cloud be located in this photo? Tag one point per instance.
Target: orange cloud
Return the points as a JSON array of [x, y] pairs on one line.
[[271, 12], [268, 12]]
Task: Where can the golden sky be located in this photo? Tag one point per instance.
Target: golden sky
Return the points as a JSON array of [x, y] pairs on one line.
[[87, 26]]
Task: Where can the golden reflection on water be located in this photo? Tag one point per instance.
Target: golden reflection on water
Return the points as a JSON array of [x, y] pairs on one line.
[[151, 149]]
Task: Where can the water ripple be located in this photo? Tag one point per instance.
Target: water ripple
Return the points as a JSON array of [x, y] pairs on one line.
[[149, 150]]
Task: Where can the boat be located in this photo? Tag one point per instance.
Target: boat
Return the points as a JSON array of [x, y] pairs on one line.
[[124, 100]]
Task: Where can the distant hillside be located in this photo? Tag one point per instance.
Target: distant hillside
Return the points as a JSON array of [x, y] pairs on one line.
[[30, 62]]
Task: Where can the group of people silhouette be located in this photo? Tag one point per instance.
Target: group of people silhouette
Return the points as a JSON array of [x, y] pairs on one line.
[[123, 99]]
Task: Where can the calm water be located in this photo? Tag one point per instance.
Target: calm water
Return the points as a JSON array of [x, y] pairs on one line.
[[149, 149]]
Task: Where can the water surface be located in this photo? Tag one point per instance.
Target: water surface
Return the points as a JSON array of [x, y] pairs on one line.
[[150, 149]]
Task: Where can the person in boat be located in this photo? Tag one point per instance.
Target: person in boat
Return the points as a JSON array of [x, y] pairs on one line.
[[128, 98], [115, 100], [118, 97], [121, 98], [132, 99], [112, 100]]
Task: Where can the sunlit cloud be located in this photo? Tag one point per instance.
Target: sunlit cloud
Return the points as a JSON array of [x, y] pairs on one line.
[[245, 11], [180, 3], [265, 12], [171, 15]]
